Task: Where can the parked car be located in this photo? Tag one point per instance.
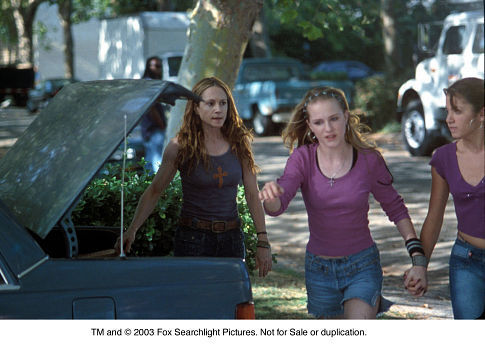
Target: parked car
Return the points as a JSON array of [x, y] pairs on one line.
[[51, 268], [354, 70], [267, 90], [40, 96], [15, 83]]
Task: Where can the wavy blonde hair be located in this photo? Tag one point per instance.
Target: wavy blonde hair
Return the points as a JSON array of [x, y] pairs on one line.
[[190, 137], [298, 133]]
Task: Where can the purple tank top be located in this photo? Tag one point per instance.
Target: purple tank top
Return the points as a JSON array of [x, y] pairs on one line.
[[469, 200]]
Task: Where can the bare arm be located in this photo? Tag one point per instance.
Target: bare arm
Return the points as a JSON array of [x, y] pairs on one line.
[[436, 210], [430, 231], [263, 255], [149, 198]]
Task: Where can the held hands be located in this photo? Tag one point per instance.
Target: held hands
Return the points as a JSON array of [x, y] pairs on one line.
[[128, 239], [271, 191], [415, 281]]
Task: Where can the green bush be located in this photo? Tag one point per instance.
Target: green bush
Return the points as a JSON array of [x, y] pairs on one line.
[[100, 206], [376, 97]]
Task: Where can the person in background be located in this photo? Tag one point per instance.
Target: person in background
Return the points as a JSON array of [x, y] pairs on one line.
[[154, 122], [213, 153], [459, 168], [336, 169]]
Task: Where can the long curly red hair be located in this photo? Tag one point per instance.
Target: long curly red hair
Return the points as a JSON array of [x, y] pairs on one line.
[[191, 136]]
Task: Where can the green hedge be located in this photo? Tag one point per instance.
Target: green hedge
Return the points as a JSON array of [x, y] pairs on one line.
[[376, 97], [100, 206]]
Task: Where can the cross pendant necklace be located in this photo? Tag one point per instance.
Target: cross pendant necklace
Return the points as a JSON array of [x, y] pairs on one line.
[[332, 178]]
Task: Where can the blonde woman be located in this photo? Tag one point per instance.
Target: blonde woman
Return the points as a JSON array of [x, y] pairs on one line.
[[336, 170], [213, 153]]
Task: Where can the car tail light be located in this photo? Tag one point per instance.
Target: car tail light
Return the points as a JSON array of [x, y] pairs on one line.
[[245, 311]]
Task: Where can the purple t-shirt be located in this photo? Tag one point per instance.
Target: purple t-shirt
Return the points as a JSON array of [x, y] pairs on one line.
[[337, 215], [469, 200]]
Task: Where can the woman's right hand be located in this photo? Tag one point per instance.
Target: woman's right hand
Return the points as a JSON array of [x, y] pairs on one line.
[[271, 191], [128, 240]]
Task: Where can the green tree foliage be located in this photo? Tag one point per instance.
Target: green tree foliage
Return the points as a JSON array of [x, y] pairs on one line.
[[331, 29]]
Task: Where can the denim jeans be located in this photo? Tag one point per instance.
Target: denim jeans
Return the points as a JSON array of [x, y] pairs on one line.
[[204, 243], [154, 150], [467, 280]]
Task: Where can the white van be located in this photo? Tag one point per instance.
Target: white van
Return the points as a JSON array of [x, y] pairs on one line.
[[421, 101]]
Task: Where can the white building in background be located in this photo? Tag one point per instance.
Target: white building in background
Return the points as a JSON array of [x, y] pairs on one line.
[[50, 62]]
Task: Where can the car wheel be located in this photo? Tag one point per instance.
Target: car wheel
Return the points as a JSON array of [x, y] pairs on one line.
[[413, 128], [262, 125]]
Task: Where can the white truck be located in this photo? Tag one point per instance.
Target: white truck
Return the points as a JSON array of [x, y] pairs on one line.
[[126, 42], [421, 102]]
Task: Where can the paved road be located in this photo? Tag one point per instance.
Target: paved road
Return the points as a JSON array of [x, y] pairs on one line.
[[13, 121], [289, 232], [289, 235]]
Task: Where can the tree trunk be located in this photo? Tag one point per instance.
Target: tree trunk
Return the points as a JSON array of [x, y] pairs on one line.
[[259, 46], [65, 11], [24, 15], [218, 34], [389, 36]]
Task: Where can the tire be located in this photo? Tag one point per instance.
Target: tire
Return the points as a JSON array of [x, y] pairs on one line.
[[416, 138], [262, 125]]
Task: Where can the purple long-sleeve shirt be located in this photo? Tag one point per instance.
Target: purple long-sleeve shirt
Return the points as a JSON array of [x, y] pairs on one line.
[[469, 200], [338, 214]]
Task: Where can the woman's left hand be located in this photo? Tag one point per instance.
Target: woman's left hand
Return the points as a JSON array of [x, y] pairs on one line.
[[264, 261], [415, 281]]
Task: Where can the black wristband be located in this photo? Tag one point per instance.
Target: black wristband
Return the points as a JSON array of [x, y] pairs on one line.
[[263, 232], [414, 245]]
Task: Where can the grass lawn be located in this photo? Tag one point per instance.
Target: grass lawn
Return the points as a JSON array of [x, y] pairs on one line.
[[281, 295]]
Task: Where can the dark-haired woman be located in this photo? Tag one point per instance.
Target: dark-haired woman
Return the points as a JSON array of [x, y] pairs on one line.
[[459, 168]]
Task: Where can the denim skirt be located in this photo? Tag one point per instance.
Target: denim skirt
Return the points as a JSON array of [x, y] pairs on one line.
[[331, 282]]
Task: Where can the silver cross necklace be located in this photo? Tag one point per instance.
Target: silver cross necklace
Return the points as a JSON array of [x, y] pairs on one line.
[[332, 178]]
